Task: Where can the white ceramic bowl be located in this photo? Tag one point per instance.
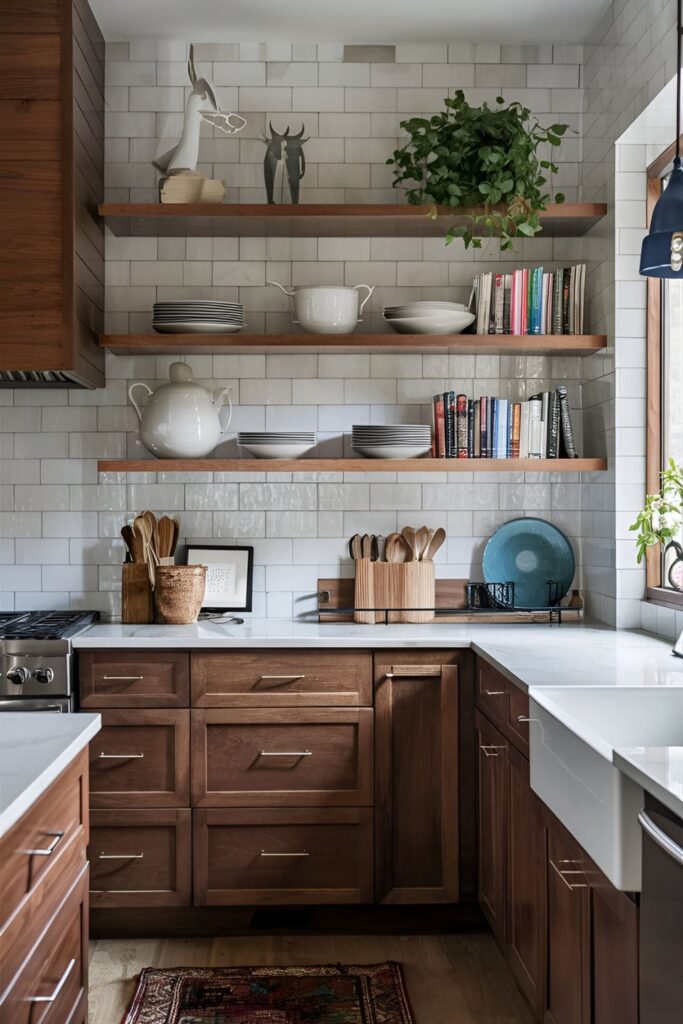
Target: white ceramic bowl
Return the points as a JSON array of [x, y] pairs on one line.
[[425, 306], [439, 323], [276, 451], [392, 451]]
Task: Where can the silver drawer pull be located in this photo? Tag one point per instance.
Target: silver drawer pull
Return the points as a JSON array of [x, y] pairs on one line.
[[303, 853], [48, 849], [126, 679], [58, 988], [563, 871], [490, 750], [120, 757], [290, 675], [494, 693], [286, 753], [121, 856]]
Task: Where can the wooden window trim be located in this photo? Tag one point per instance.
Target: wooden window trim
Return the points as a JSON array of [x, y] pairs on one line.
[[655, 592]]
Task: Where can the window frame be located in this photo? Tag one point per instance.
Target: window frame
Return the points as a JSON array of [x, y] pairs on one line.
[[655, 592]]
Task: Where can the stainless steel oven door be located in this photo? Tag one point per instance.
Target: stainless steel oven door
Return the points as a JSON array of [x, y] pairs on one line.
[[58, 705]]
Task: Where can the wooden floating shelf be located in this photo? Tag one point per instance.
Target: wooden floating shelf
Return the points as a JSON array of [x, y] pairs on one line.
[[351, 465], [563, 220], [462, 344]]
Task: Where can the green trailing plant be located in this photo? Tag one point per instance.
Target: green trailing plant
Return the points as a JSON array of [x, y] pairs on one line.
[[661, 519], [482, 157]]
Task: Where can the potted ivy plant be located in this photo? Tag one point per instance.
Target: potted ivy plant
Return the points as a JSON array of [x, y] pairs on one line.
[[483, 160]]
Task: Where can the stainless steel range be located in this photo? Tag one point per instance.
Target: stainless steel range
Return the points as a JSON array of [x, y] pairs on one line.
[[36, 659]]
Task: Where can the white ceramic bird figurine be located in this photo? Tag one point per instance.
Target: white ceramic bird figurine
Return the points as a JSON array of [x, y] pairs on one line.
[[202, 105]]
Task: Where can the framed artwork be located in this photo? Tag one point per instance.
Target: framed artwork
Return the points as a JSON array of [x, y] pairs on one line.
[[229, 576]]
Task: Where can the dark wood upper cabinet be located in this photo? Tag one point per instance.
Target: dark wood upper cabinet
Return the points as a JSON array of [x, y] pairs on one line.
[[492, 773], [416, 776], [51, 180]]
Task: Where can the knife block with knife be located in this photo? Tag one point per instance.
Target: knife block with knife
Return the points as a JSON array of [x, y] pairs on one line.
[[397, 574]]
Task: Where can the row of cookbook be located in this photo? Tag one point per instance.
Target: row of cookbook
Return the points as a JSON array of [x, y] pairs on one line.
[[530, 301], [497, 428]]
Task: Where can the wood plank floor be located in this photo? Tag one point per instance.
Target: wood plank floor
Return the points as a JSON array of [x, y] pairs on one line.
[[451, 979]]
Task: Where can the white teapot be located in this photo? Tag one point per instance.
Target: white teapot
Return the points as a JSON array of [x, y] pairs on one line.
[[181, 419]]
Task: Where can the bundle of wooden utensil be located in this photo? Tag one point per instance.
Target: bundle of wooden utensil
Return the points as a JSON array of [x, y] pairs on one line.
[[150, 542], [395, 575], [409, 545]]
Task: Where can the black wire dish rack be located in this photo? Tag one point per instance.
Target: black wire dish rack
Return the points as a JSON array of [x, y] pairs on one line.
[[482, 599]]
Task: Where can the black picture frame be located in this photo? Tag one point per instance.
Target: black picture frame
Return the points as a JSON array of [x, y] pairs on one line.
[[199, 554]]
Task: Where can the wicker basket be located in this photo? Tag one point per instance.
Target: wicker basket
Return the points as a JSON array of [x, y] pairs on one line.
[[179, 592]]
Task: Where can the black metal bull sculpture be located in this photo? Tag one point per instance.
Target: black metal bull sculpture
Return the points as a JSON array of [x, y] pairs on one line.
[[289, 147]]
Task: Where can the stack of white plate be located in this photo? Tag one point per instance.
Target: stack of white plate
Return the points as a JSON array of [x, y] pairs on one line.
[[279, 444], [391, 441], [198, 316], [428, 317]]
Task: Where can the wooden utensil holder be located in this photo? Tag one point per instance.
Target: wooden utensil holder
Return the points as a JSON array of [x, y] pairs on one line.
[[406, 586], [136, 593]]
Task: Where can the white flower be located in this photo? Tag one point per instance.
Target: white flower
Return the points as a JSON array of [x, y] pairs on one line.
[[656, 520], [671, 520]]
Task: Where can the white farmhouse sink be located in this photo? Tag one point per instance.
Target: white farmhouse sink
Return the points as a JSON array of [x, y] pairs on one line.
[[573, 734]]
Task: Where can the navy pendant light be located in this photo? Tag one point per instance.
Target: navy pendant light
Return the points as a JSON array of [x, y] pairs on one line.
[[662, 252]]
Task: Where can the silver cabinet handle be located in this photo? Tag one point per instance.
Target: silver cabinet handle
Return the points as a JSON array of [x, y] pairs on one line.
[[303, 853], [494, 693], [121, 856], [290, 675], [129, 679], [285, 753], [563, 871], [490, 750], [659, 836], [58, 988], [50, 848], [120, 757]]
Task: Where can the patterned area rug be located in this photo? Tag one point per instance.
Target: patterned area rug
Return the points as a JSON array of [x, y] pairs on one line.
[[371, 994]]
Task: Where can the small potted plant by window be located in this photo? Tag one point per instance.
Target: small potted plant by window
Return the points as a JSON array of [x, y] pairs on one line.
[[661, 519], [484, 161]]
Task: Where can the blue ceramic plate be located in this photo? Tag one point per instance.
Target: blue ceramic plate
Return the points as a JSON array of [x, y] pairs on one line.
[[529, 552]]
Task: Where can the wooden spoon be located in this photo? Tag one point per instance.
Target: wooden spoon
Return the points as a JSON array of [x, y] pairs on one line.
[[408, 534], [143, 528], [396, 549], [176, 534], [422, 539], [129, 541], [356, 547], [435, 543], [166, 531], [366, 545]]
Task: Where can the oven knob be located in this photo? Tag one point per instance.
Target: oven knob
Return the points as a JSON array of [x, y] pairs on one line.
[[18, 675], [44, 675]]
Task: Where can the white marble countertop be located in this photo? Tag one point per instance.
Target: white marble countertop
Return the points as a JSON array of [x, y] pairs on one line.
[[35, 747], [570, 655], [659, 770]]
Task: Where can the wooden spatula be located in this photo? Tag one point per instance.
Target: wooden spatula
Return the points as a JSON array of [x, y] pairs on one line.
[[435, 543], [166, 531]]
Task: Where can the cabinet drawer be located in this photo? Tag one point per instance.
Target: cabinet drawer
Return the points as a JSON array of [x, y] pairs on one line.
[[272, 758], [281, 678], [141, 759], [59, 817], [52, 985], [140, 858], [492, 693], [518, 717], [292, 855], [134, 679]]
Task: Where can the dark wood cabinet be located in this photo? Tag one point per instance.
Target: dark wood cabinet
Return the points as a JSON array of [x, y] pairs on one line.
[[416, 777], [51, 180], [614, 934], [278, 757], [134, 679], [492, 775], [568, 998], [525, 941], [141, 758], [286, 855]]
